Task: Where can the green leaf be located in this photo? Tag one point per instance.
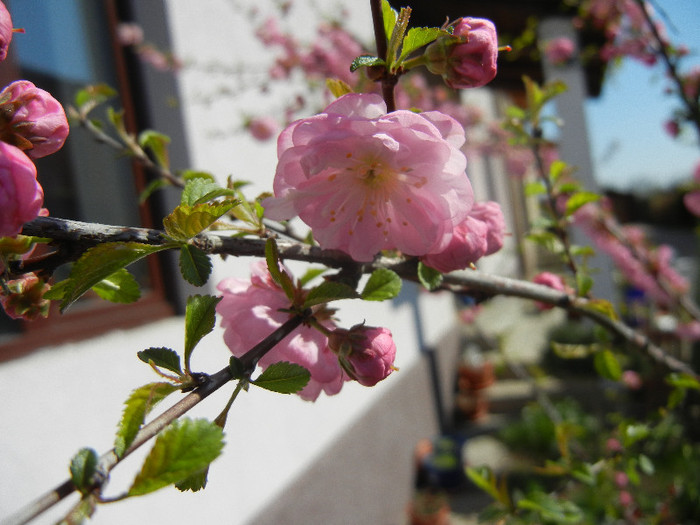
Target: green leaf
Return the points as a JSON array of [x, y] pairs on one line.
[[278, 274], [83, 467], [152, 187], [201, 190], [484, 478], [99, 263], [337, 87], [187, 221], [162, 358], [81, 511], [383, 284], [604, 307], [397, 37], [92, 96], [311, 274], [195, 265], [632, 433], [140, 402], [418, 37], [283, 377], [429, 277], [120, 287], [157, 143], [557, 169], [329, 291], [365, 61], [551, 509], [607, 365], [534, 188], [194, 174], [200, 318], [683, 381], [584, 283], [390, 16], [577, 200], [182, 450], [195, 482]]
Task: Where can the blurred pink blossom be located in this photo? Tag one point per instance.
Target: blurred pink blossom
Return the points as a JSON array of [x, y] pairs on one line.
[[632, 380], [251, 309], [21, 196], [5, 30], [367, 181], [129, 34], [559, 50], [365, 353], [263, 128], [36, 122], [551, 280]]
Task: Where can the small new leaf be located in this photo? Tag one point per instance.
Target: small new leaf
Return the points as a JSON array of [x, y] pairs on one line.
[[329, 291], [366, 61], [577, 200], [83, 467], [99, 263], [182, 450], [140, 402], [187, 221], [390, 16], [278, 274], [120, 287], [195, 265], [418, 37], [383, 284], [157, 143], [162, 358], [429, 277], [200, 190], [283, 377], [200, 317]]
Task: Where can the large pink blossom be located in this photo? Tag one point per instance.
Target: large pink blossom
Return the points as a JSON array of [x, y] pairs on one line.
[[467, 61], [366, 181], [21, 196], [251, 309], [5, 31], [32, 119]]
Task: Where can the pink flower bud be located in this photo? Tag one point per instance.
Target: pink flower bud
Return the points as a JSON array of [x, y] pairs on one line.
[[262, 128], [469, 60], [27, 298], [32, 119], [21, 196], [553, 281], [5, 31], [365, 353]]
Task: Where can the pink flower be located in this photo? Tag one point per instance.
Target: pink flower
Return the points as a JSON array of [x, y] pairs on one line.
[[366, 353], [559, 50], [21, 196], [490, 212], [35, 121], [262, 128], [692, 202], [5, 31], [621, 479], [252, 309], [366, 181], [467, 246], [27, 298], [672, 128], [632, 380], [469, 60], [553, 281]]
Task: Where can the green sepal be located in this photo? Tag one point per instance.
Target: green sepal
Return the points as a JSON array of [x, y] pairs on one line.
[[119, 287], [183, 449], [383, 284], [157, 143], [200, 318], [139, 403], [195, 265], [83, 467], [366, 61], [280, 276], [429, 277], [187, 221], [283, 377], [99, 263], [200, 190], [162, 358], [329, 291]]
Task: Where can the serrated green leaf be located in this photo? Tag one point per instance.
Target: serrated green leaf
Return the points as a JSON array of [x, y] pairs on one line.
[[162, 358], [366, 61], [607, 365], [283, 377], [201, 190], [182, 450], [99, 263], [329, 291], [195, 265], [194, 174], [429, 277], [278, 274], [187, 221], [83, 467], [337, 87], [195, 482], [417, 37], [120, 287], [140, 402], [157, 143], [383, 284], [577, 200], [389, 15], [200, 318]]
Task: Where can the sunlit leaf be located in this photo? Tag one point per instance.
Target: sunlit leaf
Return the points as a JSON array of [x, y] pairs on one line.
[[119, 287], [283, 377], [383, 284], [200, 318], [195, 265], [329, 291], [187, 221]]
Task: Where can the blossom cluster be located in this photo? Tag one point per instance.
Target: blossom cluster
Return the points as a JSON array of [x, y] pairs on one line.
[[33, 124]]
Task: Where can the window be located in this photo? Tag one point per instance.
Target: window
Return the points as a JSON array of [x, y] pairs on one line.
[[67, 45]]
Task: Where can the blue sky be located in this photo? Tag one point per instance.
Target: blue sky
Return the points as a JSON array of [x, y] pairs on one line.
[[630, 147]]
